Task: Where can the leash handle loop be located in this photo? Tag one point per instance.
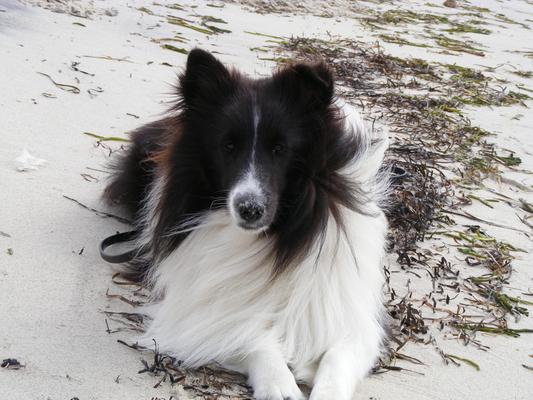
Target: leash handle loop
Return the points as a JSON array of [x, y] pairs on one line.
[[115, 239]]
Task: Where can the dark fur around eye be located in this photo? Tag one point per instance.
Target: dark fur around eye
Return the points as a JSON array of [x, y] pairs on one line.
[[229, 146], [278, 149]]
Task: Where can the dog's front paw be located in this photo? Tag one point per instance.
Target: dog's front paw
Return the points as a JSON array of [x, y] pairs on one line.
[[278, 387], [328, 392]]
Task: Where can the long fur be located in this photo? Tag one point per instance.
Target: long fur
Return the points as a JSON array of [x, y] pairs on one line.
[[307, 290]]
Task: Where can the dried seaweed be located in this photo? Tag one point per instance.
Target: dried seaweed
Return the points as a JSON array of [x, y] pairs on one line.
[[62, 86], [463, 359], [11, 363], [397, 39], [468, 28], [210, 381], [100, 213], [106, 138], [174, 48], [189, 25]]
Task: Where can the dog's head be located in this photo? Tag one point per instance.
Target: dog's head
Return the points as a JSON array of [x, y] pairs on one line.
[[257, 136]]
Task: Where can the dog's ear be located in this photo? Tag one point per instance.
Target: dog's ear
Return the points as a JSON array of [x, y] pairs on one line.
[[310, 85], [205, 79]]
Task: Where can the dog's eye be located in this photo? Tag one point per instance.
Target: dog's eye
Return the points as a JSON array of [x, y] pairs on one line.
[[229, 147], [278, 148]]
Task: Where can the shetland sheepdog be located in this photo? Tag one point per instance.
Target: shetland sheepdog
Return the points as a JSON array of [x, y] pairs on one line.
[[261, 231]]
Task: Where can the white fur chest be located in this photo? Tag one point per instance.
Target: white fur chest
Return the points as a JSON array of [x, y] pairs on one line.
[[219, 303]]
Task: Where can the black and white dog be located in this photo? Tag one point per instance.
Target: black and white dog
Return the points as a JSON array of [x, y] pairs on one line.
[[259, 207]]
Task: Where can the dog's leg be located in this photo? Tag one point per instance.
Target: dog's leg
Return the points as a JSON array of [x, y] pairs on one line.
[[341, 368], [269, 375]]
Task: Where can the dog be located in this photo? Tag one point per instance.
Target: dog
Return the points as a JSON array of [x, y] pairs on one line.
[[259, 205]]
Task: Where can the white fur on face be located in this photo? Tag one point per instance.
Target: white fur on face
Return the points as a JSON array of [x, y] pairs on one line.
[[249, 184]]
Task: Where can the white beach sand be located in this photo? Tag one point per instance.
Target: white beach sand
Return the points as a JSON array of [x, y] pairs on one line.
[[53, 285]]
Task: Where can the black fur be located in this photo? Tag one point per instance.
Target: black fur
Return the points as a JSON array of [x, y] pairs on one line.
[[205, 145], [134, 171]]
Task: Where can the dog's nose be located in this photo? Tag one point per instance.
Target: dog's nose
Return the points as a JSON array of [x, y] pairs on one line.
[[249, 210]]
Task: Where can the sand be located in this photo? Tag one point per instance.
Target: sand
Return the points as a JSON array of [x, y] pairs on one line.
[[53, 283]]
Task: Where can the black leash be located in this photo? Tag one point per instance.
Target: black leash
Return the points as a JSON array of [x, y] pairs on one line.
[[115, 239]]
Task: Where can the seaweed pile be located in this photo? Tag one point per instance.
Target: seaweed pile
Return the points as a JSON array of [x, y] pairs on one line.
[[209, 382]]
